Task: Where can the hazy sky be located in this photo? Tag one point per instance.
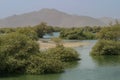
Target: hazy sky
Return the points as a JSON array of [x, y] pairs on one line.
[[93, 8]]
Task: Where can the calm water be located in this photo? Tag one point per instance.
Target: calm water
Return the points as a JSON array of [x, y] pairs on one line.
[[89, 68], [54, 34]]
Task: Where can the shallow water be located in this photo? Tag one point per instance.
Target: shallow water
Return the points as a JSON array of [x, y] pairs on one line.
[[89, 68], [54, 34]]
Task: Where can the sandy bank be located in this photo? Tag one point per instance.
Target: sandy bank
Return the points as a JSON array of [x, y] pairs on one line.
[[50, 44]]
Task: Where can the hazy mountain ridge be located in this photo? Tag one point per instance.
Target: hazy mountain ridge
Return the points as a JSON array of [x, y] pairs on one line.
[[52, 17], [109, 20]]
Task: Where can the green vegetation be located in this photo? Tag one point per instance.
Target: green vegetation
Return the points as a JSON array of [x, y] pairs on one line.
[[15, 51], [43, 28], [63, 54], [42, 64], [106, 47], [20, 53], [82, 33], [6, 30], [110, 33], [33, 32], [28, 31], [109, 41]]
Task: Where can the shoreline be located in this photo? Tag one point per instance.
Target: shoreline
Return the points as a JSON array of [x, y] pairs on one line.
[[50, 44]]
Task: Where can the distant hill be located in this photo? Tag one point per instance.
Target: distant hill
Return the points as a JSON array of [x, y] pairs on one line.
[[52, 17], [108, 20]]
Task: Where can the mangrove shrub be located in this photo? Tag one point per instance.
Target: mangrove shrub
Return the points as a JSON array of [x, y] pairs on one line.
[[20, 54], [63, 54], [109, 41]]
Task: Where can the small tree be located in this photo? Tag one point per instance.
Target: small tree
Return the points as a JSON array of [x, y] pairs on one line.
[[40, 29]]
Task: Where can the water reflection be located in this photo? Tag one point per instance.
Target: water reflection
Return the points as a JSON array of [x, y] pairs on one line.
[[54, 34], [106, 60], [9, 75], [72, 65], [89, 68], [69, 67], [31, 77]]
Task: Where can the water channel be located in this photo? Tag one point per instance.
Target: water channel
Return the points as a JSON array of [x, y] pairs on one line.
[[89, 68]]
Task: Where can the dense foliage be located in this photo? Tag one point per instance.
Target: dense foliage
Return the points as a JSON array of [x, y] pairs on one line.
[[43, 28], [42, 64], [20, 53], [109, 41], [80, 33], [106, 47], [33, 32], [6, 30], [63, 54], [28, 31], [15, 50], [110, 33]]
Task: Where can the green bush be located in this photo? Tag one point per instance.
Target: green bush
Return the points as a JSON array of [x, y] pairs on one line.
[[106, 47], [79, 33], [41, 65], [42, 29], [6, 30], [28, 31], [63, 54], [109, 41], [20, 54], [15, 50], [110, 33]]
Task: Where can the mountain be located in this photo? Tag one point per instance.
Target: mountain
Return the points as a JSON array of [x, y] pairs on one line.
[[52, 17], [109, 20]]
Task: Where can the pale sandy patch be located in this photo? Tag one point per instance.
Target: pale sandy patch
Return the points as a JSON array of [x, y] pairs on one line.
[[50, 44]]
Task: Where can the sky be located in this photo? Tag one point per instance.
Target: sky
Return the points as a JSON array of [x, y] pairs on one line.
[[93, 8]]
